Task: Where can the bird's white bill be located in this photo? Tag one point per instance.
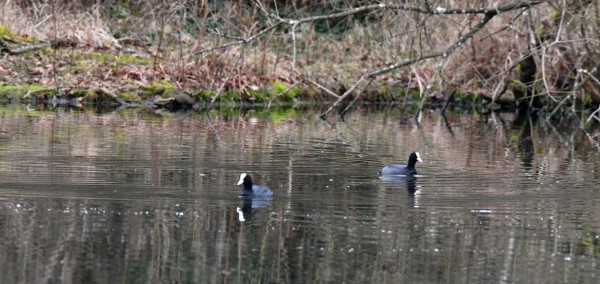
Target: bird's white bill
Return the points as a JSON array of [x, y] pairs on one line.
[[242, 176], [418, 157]]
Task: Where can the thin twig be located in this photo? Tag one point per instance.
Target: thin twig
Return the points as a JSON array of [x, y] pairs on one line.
[[355, 98], [593, 115], [447, 102], [323, 88], [240, 41], [446, 54], [222, 87], [54, 55], [564, 100], [576, 86], [158, 46], [343, 96], [282, 92], [373, 75], [294, 52]]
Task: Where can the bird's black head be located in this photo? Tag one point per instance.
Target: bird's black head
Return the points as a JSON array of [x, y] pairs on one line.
[[246, 180], [413, 158]]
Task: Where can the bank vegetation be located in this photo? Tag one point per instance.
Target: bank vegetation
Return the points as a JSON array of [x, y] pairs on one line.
[[488, 53]]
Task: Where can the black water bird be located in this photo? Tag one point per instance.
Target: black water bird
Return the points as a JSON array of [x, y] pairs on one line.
[[253, 190], [401, 169]]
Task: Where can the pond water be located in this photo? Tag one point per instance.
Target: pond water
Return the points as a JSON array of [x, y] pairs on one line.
[[137, 197]]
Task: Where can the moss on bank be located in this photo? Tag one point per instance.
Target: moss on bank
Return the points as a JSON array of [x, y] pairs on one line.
[[26, 92], [163, 94], [157, 93]]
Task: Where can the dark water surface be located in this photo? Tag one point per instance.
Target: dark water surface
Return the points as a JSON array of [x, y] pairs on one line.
[[135, 197]]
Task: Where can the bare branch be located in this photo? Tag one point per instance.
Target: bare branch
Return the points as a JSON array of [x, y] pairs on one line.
[[438, 10], [594, 115], [239, 40], [319, 86], [294, 52], [488, 13], [371, 76], [222, 87], [576, 86]]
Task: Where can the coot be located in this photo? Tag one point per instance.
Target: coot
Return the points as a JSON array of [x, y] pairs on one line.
[[400, 169], [252, 190]]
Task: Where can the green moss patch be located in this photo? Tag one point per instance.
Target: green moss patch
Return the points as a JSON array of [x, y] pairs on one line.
[[25, 92], [157, 88]]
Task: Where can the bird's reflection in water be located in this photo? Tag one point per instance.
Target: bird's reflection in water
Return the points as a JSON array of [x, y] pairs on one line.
[[247, 203], [408, 182]]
